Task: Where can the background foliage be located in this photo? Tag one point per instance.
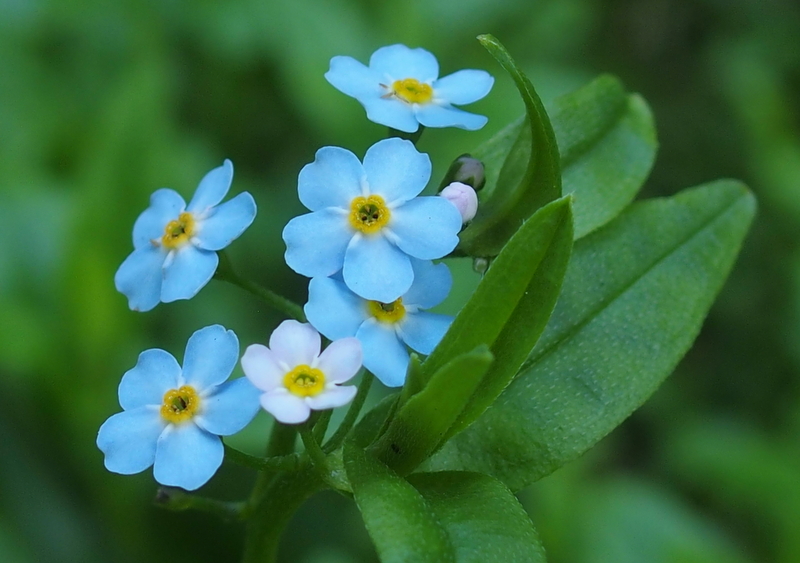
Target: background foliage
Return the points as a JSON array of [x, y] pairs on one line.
[[101, 103]]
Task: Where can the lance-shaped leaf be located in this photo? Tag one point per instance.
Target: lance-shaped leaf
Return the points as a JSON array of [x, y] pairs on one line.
[[399, 521], [530, 176], [484, 520], [421, 423], [633, 300], [607, 141]]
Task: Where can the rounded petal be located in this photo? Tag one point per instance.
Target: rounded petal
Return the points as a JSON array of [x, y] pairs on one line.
[[384, 354], [332, 397], [463, 87], [316, 242], [139, 277], [332, 180], [226, 222], [212, 188], [295, 343], [285, 407], [155, 373], [354, 78], [432, 283], [396, 170], [128, 440], [187, 456], [165, 206], [396, 62], [333, 309], [230, 408], [190, 270], [433, 115], [341, 360], [211, 355], [391, 112], [423, 331], [376, 269], [261, 367], [426, 227]]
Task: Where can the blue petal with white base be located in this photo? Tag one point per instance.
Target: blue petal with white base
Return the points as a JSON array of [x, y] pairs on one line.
[[175, 444]]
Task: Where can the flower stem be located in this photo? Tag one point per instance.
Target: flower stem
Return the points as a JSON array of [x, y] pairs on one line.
[[352, 414], [225, 272], [173, 498], [313, 450], [290, 462]]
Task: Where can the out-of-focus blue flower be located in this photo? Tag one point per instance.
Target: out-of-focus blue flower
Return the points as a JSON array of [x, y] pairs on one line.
[[384, 328], [172, 418], [401, 88], [175, 245], [366, 220], [295, 378]]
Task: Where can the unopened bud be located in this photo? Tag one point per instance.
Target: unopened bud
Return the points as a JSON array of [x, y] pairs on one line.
[[467, 170], [464, 198]]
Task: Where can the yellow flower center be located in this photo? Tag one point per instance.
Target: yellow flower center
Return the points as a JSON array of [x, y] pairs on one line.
[[179, 232], [412, 91], [369, 214], [180, 405], [387, 312], [304, 381]]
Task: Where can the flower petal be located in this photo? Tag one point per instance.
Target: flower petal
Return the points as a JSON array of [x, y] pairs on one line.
[[261, 367], [396, 170], [353, 78], [376, 269], [316, 242], [432, 283], [341, 360], [433, 115], [463, 87], [190, 270], [155, 373], [423, 331], [391, 112], [230, 408], [295, 343], [187, 456], [332, 180], [128, 440], [332, 397], [226, 222], [211, 354], [212, 188], [384, 354], [165, 206], [397, 62], [333, 309], [285, 407], [139, 277], [426, 227]]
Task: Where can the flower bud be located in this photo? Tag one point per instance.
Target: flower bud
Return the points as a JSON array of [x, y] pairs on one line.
[[467, 170], [464, 198]]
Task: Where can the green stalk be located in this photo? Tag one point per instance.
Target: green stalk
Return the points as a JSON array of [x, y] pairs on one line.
[[352, 414]]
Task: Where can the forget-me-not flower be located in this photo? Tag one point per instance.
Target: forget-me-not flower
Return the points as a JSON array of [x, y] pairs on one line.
[[384, 328], [401, 88], [175, 245], [172, 418], [367, 221], [295, 378]]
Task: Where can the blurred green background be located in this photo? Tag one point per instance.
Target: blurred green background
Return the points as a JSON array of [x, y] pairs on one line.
[[101, 103]]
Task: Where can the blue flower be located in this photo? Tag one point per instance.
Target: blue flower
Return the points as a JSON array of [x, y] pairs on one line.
[[172, 418], [175, 245], [366, 220], [384, 328], [401, 89]]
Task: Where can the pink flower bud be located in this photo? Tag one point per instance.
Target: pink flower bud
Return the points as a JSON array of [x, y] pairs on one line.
[[463, 197]]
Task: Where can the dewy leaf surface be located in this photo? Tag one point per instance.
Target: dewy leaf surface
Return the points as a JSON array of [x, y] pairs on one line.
[[634, 298], [483, 519]]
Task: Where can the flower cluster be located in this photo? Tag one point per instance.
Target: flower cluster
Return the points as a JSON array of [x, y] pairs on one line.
[[368, 245]]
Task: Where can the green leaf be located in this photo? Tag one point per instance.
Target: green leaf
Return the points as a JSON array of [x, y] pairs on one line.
[[484, 520], [399, 521], [421, 423], [530, 176], [633, 300], [607, 141], [511, 305]]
